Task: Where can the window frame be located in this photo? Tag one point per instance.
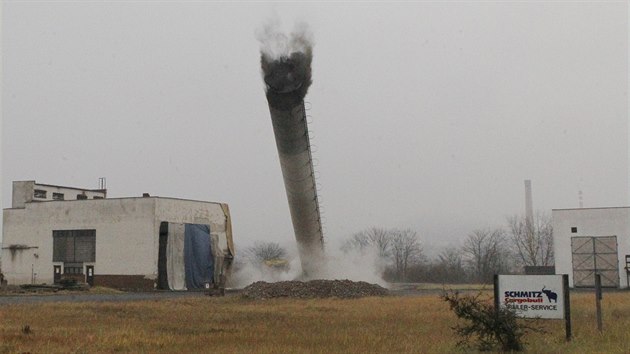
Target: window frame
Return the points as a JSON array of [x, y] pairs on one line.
[[65, 246], [40, 193], [58, 196]]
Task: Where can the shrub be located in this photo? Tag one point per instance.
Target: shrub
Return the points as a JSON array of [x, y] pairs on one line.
[[485, 327]]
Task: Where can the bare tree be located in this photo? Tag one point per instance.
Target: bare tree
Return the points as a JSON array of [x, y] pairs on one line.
[[265, 251], [446, 268], [451, 263], [451, 257], [405, 251], [401, 247], [373, 237], [485, 253], [533, 239]]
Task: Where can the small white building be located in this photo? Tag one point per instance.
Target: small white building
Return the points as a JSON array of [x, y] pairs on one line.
[[52, 232], [592, 240]]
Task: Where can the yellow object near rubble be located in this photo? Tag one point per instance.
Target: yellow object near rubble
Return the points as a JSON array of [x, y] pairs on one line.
[[277, 263]]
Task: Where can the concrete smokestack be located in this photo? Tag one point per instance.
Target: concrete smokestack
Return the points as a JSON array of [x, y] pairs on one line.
[[529, 205], [287, 78]]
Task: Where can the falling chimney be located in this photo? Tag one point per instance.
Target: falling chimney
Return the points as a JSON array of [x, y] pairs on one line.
[[287, 79]]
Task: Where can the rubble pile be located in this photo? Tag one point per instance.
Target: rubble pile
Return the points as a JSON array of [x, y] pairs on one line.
[[343, 289]]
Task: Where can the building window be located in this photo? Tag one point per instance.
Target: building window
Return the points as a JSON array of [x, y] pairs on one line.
[[97, 197], [81, 197], [574, 230], [57, 196], [73, 268], [74, 246], [39, 193]]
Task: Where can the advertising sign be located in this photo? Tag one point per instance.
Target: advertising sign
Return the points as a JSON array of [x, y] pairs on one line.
[[532, 296]]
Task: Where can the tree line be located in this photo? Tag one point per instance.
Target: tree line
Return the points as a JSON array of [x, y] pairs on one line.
[[506, 249], [482, 253]]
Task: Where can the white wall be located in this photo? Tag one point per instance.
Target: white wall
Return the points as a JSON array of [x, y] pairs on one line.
[[124, 234], [23, 192], [590, 222], [127, 230]]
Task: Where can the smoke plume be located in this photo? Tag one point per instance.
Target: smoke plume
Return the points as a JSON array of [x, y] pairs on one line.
[[286, 62]]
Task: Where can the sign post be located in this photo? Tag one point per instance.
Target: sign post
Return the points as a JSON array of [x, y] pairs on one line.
[[535, 296], [567, 306], [598, 300]]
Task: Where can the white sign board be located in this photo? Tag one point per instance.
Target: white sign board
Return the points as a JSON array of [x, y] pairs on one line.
[[532, 296]]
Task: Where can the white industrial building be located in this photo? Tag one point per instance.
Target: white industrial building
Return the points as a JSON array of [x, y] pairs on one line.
[[54, 232], [592, 240]]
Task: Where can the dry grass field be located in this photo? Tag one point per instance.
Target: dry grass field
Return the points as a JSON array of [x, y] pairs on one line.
[[414, 324]]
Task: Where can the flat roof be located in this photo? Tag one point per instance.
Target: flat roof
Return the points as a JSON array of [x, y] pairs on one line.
[[120, 198], [66, 187], [595, 208]]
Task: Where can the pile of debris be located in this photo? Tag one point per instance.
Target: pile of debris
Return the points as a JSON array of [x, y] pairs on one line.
[[343, 289]]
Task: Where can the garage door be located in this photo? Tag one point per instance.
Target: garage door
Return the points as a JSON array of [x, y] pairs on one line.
[[592, 255]]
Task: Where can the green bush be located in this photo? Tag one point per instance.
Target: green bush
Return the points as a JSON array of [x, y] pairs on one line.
[[485, 327]]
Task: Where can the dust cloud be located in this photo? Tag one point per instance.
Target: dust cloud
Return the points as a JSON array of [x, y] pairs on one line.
[[356, 265]]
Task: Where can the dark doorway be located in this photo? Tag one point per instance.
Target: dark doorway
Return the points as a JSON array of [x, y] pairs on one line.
[[89, 275], [162, 282], [56, 274]]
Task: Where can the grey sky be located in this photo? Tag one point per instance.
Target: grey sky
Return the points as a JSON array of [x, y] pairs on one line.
[[425, 115]]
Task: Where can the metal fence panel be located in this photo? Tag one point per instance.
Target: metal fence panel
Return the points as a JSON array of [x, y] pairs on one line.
[[593, 255]]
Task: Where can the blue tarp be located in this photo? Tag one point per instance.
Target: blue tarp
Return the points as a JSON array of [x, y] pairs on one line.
[[198, 261]]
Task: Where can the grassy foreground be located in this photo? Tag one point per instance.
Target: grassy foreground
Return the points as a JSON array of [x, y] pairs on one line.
[[419, 324]]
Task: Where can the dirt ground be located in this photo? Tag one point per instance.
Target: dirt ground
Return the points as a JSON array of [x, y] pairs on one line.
[[16, 295]]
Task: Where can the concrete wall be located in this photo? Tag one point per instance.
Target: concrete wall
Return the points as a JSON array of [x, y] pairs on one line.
[[23, 192], [590, 222], [125, 234]]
